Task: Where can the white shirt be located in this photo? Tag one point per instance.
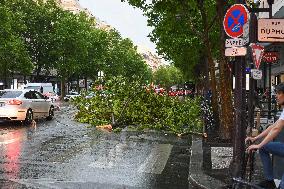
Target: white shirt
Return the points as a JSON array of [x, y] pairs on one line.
[[282, 115]]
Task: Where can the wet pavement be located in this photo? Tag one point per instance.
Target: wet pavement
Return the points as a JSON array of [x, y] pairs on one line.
[[62, 153]]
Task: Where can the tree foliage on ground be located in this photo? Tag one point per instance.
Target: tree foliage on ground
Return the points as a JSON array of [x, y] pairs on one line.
[[43, 36], [168, 76], [187, 31], [133, 104]]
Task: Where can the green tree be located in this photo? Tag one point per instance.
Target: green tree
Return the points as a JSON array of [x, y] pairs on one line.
[[13, 52], [38, 17], [184, 31], [123, 59], [168, 76], [70, 39]]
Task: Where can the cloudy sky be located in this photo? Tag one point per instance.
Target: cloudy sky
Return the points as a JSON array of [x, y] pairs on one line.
[[129, 21]]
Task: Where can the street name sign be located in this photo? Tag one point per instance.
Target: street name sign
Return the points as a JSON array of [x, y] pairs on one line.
[[256, 74], [271, 30], [235, 17], [236, 51], [257, 52], [236, 42]]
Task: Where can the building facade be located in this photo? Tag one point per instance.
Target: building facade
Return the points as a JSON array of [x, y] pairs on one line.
[[277, 68]]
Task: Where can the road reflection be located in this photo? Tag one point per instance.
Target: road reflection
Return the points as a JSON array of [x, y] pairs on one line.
[[12, 136]]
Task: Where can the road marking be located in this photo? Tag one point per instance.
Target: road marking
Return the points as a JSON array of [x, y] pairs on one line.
[[156, 161], [111, 159]]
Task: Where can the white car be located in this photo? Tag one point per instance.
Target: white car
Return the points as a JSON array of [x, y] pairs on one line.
[[24, 105]]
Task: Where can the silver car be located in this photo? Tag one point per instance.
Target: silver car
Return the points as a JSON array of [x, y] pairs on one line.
[[24, 105]]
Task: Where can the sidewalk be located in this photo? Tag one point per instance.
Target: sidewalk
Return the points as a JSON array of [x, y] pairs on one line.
[[209, 165]]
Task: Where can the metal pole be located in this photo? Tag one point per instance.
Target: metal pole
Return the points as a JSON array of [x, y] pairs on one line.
[[240, 118], [269, 90], [270, 2], [252, 86], [240, 125]]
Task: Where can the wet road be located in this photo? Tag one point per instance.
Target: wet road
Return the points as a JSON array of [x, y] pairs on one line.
[[65, 154]]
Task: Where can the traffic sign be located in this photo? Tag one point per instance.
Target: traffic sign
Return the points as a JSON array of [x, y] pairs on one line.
[[257, 52], [236, 42], [256, 74], [271, 30], [236, 51], [236, 16]]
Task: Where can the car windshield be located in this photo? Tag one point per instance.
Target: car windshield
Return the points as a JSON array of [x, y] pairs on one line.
[[10, 94]]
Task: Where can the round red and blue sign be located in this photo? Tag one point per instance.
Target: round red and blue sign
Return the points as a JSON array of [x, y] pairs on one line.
[[236, 16]]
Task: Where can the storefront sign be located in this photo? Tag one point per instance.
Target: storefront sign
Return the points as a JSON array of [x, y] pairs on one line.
[[270, 57], [271, 30]]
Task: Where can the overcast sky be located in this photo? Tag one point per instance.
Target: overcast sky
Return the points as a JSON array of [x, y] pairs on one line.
[[129, 21]]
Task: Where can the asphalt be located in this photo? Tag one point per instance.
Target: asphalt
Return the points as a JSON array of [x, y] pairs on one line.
[[209, 165]]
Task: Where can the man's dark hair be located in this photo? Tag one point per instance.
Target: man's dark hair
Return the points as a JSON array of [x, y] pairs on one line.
[[280, 88]]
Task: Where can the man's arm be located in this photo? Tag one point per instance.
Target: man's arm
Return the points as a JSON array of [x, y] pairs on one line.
[[262, 134], [273, 132]]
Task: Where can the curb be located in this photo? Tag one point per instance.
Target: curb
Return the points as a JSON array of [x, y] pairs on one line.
[[196, 176]]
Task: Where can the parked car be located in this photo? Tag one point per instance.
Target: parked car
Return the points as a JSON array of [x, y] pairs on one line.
[[24, 105], [71, 96], [40, 87]]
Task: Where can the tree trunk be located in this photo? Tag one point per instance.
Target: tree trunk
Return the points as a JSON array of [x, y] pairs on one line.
[[207, 44], [213, 83], [62, 87], [37, 77], [226, 118], [78, 84], [86, 83]]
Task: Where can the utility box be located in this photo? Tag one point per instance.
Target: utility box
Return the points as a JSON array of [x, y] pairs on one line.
[[278, 162]]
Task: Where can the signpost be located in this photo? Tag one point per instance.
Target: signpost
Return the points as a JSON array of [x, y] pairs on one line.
[[271, 30]]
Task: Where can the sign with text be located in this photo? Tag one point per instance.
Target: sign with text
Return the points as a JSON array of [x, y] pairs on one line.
[[271, 30], [236, 42], [256, 74], [270, 57], [236, 51]]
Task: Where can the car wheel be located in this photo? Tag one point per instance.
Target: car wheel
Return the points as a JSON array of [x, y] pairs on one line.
[[50, 113], [29, 117]]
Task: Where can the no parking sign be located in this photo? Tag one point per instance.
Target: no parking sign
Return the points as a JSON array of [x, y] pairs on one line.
[[234, 20]]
